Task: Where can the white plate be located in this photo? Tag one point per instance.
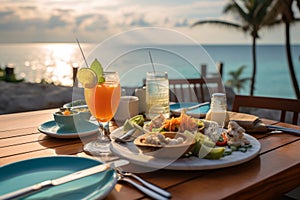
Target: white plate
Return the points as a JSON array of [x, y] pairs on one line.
[[83, 129], [132, 153]]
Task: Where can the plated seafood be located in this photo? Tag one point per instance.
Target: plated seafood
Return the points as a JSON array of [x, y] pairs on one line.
[[165, 145], [178, 124], [190, 137]]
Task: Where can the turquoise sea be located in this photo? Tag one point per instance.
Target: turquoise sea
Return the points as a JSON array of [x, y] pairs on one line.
[[53, 63]]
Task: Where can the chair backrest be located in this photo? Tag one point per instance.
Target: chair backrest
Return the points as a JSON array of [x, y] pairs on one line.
[[194, 90], [271, 103]]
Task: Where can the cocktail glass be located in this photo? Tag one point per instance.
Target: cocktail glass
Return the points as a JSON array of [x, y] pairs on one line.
[[103, 101]]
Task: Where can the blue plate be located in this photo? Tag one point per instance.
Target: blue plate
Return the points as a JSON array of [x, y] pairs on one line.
[[83, 128], [198, 112], [79, 102], [28, 172]]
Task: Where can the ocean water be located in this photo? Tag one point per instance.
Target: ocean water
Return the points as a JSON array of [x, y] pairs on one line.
[[272, 77], [53, 63]]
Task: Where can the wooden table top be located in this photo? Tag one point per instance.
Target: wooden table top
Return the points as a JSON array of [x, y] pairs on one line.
[[275, 171]]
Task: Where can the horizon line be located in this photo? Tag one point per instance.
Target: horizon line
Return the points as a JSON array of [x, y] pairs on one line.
[[248, 44]]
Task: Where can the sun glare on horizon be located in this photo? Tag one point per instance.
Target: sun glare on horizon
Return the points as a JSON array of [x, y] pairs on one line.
[[60, 60]]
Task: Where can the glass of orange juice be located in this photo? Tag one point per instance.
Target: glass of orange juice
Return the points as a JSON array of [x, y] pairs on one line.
[[103, 100]]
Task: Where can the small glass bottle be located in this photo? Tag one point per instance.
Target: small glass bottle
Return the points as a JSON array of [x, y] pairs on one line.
[[218, 109]]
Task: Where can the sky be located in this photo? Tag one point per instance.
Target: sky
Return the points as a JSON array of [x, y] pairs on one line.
[[24, 21]]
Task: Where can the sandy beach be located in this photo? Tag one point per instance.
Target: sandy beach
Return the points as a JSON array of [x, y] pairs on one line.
[[22, 97]]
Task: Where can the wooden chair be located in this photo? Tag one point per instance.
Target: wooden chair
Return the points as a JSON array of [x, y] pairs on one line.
[[281, 104], [194, 90]]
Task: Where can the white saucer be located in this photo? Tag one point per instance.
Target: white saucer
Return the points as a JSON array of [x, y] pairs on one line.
[[83, 129]]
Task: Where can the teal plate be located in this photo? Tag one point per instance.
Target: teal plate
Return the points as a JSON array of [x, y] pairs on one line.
[[83, 129], [198, 112], [28, 172]]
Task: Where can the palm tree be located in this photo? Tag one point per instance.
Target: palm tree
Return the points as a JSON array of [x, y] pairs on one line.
[[283, 8], [236, 81], [252, 14]]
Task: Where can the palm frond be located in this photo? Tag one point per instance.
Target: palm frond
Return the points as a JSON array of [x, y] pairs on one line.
[[236, 8], [274, 23], [228, 8], [272, 13], [261, 11], [245, 80], [232, 73], [217, 22], [236, 81], [240, 70], [295, 20]]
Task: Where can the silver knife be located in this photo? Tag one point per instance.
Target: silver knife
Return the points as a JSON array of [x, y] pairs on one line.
[[284, 129], [191, 107], [65, 179], [123, 138]]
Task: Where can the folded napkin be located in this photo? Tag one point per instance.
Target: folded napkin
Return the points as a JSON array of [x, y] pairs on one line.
[[250, 123]]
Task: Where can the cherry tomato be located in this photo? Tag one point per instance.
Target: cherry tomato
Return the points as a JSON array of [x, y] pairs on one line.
[[222, 140]]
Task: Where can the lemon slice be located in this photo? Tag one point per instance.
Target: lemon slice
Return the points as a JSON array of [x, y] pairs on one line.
[[87, 77]]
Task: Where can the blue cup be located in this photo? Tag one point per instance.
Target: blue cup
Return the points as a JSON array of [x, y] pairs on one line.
[[67, 121]]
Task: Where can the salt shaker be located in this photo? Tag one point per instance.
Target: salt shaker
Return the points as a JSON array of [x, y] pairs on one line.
[[141, 94], [218, 109]]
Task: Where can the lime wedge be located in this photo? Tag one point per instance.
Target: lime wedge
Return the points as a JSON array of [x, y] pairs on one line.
[[127, 125], [138, 119], [87, 77], [98, 69], [215, 153]]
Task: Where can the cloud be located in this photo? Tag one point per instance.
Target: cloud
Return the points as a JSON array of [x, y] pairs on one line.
[[97, 22], [6, 13], [15, 23], [93, 20], [182, 23], [80, 19], [56, 21], [102, 16], [28, 7]]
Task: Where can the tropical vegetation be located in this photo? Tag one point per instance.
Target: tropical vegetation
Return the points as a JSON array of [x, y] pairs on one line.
[[282, 12], [9, 76], [254, 15], [236, 81]]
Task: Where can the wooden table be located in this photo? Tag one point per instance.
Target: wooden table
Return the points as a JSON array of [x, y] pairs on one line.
[[274, 172]]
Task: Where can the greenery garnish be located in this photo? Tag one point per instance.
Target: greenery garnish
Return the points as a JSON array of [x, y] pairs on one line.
[[98, 69]]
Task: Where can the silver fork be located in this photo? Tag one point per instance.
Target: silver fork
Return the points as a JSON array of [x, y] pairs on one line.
[[151, 186], [150, 193]]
